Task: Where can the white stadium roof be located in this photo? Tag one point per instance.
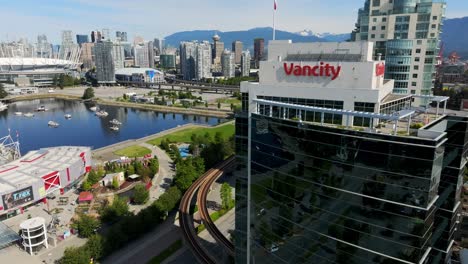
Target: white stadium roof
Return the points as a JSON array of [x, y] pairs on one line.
[[36, 164], [34, 61]]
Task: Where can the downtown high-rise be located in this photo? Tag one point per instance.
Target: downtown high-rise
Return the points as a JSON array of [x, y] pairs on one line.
[[406, 35], [195, 60], [330, 168]]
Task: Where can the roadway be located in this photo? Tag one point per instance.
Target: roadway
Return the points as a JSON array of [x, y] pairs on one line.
[[186, 220]]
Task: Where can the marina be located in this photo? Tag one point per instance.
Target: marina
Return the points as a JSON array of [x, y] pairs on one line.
[[85, 128]]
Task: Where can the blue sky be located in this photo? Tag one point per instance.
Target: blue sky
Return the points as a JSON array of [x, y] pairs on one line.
[[158, 18]]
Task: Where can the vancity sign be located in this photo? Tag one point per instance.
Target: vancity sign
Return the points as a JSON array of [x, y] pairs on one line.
[[321, 70]]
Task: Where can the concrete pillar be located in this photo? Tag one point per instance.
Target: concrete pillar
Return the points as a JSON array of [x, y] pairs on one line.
[[271, 111], [322, 118], [409, 124], [445, 106]]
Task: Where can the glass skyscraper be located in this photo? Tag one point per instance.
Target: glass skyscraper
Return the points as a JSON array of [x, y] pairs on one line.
[[331, 170]]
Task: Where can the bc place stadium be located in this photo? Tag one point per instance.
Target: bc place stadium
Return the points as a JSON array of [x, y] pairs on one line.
[[30, 179], [36, 64]]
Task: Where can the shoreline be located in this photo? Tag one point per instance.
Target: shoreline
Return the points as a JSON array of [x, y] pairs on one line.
[[109, 150], [156, 108]]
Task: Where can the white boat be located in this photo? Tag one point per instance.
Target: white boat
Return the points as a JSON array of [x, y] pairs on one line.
[[18, 113], [94, 108], [29, 115], [115, 122], [53, 124], [68, 116], [115, 128], [3, 106], [41, 109], [102, 113]]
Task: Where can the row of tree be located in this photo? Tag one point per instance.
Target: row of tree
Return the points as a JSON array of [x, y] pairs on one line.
[[64, 80], [126, 227]]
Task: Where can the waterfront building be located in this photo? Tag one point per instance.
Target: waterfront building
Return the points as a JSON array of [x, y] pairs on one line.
[[330, 168], [245, 63], [139, 75], [37, 65], [118, 55], [237, 49], [87, 55], [141, 55], [80, 39], [228, 66], [105, 69], [406, 33], [259, 49], [56, 170]]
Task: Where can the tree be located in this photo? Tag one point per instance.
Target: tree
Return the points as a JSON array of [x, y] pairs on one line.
[[86, 225], [3, 93], [141, 194], [75, 255], [61, 81], [115, 183], [93, 177], [86, 186], [95, 246], [219, 105], [88, 93], [116, 210], [226, 196]]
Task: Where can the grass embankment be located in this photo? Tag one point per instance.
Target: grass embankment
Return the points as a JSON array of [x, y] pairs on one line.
[[184, 136], [166, 253], [133, 152]]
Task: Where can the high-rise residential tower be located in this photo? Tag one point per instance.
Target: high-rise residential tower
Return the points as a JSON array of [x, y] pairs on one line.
[[195, 60], [80, 39], [217, 51], [245, 64], [406, 33], [68, 45], [118, 55], [87, 55], [228, 65], [237, 49], [331, 170], [141, 55], [43, 47], [105, 69], [259, 49], [150, 47]]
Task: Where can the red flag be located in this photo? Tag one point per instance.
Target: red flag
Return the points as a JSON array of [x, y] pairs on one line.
[[275, 5]]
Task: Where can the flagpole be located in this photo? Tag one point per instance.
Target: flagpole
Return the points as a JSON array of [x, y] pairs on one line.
[[274, 21]]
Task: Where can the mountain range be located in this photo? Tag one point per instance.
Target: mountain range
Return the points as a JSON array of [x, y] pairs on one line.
[[454, 36]]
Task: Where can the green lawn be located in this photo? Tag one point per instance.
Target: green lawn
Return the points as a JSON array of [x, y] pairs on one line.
[[183, 136], [133, 151], [166, 253], [231, 100]]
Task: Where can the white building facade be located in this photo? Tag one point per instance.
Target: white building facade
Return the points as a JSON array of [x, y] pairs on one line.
[[228, 64]]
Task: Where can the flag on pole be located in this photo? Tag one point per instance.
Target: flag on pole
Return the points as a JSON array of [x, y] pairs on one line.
[[275, 5], [17, 134]]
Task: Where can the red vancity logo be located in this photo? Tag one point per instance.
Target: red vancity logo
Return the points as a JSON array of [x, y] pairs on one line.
[[380, 69], [322, 70]]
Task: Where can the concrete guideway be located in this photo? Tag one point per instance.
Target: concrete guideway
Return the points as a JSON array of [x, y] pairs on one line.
[[204, 214], [186, 220]]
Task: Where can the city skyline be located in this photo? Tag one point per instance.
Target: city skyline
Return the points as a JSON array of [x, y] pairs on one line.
[[145, 18]]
